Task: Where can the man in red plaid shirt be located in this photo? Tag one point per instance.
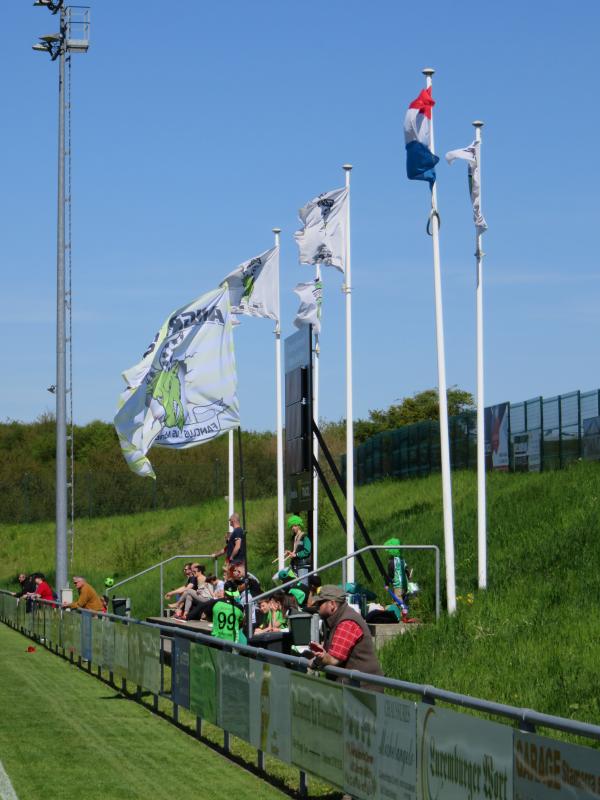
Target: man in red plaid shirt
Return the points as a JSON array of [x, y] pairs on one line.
[[347, 641]]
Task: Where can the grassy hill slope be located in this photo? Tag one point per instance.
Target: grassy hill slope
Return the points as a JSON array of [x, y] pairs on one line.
[[533, 639]]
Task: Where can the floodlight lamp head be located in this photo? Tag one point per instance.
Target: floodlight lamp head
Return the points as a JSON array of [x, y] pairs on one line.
[[41, 48], [50, 38]]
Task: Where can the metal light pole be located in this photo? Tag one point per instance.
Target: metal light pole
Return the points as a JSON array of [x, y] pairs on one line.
[[57, 45]]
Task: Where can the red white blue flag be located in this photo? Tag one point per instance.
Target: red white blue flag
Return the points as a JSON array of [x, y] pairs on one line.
[[420, 161]]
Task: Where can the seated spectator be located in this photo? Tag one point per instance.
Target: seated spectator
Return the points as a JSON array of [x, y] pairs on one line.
[[203, 595], [314, 587], [105, 601], [298, 591], [239, 574], [190, 583], [217, 585], [347, 641], [274, 620], [87, 596], [228, 616]]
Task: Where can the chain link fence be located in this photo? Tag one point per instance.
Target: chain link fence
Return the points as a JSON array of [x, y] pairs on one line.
[[543, 433]]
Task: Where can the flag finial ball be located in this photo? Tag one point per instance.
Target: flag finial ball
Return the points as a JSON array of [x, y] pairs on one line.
[[347, 167], [428, 72], [477, 123], [276, 230]]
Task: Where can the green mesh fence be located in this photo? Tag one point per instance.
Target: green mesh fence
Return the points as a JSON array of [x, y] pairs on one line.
[[564, 428]]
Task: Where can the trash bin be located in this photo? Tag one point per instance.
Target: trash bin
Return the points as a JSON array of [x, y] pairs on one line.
[[121, 606], [304, 628]]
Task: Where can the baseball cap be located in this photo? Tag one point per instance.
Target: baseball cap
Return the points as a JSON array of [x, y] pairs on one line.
[[330, 592]]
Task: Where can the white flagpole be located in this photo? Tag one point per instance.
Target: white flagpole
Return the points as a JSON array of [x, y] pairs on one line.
[[315, 529], [481, 494], [280, 500], [347, 288], [231, 488], [441, 360]]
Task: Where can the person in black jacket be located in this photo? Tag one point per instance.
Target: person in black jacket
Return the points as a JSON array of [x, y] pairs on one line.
[[28, 586]]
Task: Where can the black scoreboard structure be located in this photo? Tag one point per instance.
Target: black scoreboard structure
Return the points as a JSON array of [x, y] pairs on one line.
[[300, 464], [298, 423]]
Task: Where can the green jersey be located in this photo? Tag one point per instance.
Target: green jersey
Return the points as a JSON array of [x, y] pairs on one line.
[[227, 620]]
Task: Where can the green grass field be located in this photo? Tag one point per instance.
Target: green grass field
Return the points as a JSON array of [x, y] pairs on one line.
[[64, 734], [533, 639]]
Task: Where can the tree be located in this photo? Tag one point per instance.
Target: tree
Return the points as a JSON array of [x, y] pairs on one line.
[[420, 406]]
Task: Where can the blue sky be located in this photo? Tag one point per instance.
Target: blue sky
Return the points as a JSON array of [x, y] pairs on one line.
[[199, 126]]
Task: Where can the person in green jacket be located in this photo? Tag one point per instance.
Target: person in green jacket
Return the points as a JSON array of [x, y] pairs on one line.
[[301, 552], [228, 615]]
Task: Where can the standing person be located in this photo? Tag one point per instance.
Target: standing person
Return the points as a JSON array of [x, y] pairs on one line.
[[235, 544], [43, 590], [397, 576], [347, 641], [87, 596], [228, 616], [301, 552], [27, 585]]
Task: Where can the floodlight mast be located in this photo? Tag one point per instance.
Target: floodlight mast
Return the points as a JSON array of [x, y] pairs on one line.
[[57, 46]]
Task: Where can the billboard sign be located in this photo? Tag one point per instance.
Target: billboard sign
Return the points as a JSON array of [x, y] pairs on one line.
[[496, 420]]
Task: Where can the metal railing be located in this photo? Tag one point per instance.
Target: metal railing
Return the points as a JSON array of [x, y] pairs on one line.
[[527, 719], [343, 560], [161, 566]]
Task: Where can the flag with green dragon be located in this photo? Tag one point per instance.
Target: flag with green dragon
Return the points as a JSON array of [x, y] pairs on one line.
[[184, 390]]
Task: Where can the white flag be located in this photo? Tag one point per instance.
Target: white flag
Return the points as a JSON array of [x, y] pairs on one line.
[[254, 286], [470, 154], [309, 312], [184, 390], [322, 240]]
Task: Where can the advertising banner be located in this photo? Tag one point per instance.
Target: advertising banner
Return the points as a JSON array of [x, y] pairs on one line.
[[86, 635], [204, 678], [461, 756], [134, 655], [97, 625], [234, 705], [546, 769], [527, 451], [496, 437], [108, 644], [360, 743], [396, 749], [121, 656], [75, 618], [591, 438], [180, 671], [148, 654], [270, 725], [317, 727]]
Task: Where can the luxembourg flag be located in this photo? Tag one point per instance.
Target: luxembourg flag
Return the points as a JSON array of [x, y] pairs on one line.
[[420, 161]]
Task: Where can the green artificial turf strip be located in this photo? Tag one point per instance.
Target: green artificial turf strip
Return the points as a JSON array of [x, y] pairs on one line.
[[64, 734]]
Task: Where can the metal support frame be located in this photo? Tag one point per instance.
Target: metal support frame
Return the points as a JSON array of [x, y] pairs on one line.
[[338, 477]]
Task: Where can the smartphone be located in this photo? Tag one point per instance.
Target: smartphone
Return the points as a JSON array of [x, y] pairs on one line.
[[315, 647]]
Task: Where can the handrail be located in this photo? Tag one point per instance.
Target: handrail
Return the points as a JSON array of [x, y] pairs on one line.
[[344, 559], [161, 565], [524, 716]]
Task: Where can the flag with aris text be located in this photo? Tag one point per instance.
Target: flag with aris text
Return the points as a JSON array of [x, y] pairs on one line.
[[470, 154], [420, 161], [322, 239], [254, 286], [184, 390], [309, 311]]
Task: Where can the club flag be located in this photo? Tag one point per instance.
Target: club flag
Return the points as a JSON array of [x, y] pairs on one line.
[[470, 154], [420, 161], [322, 240], [311, 298], [254, 286], [184, 390]]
